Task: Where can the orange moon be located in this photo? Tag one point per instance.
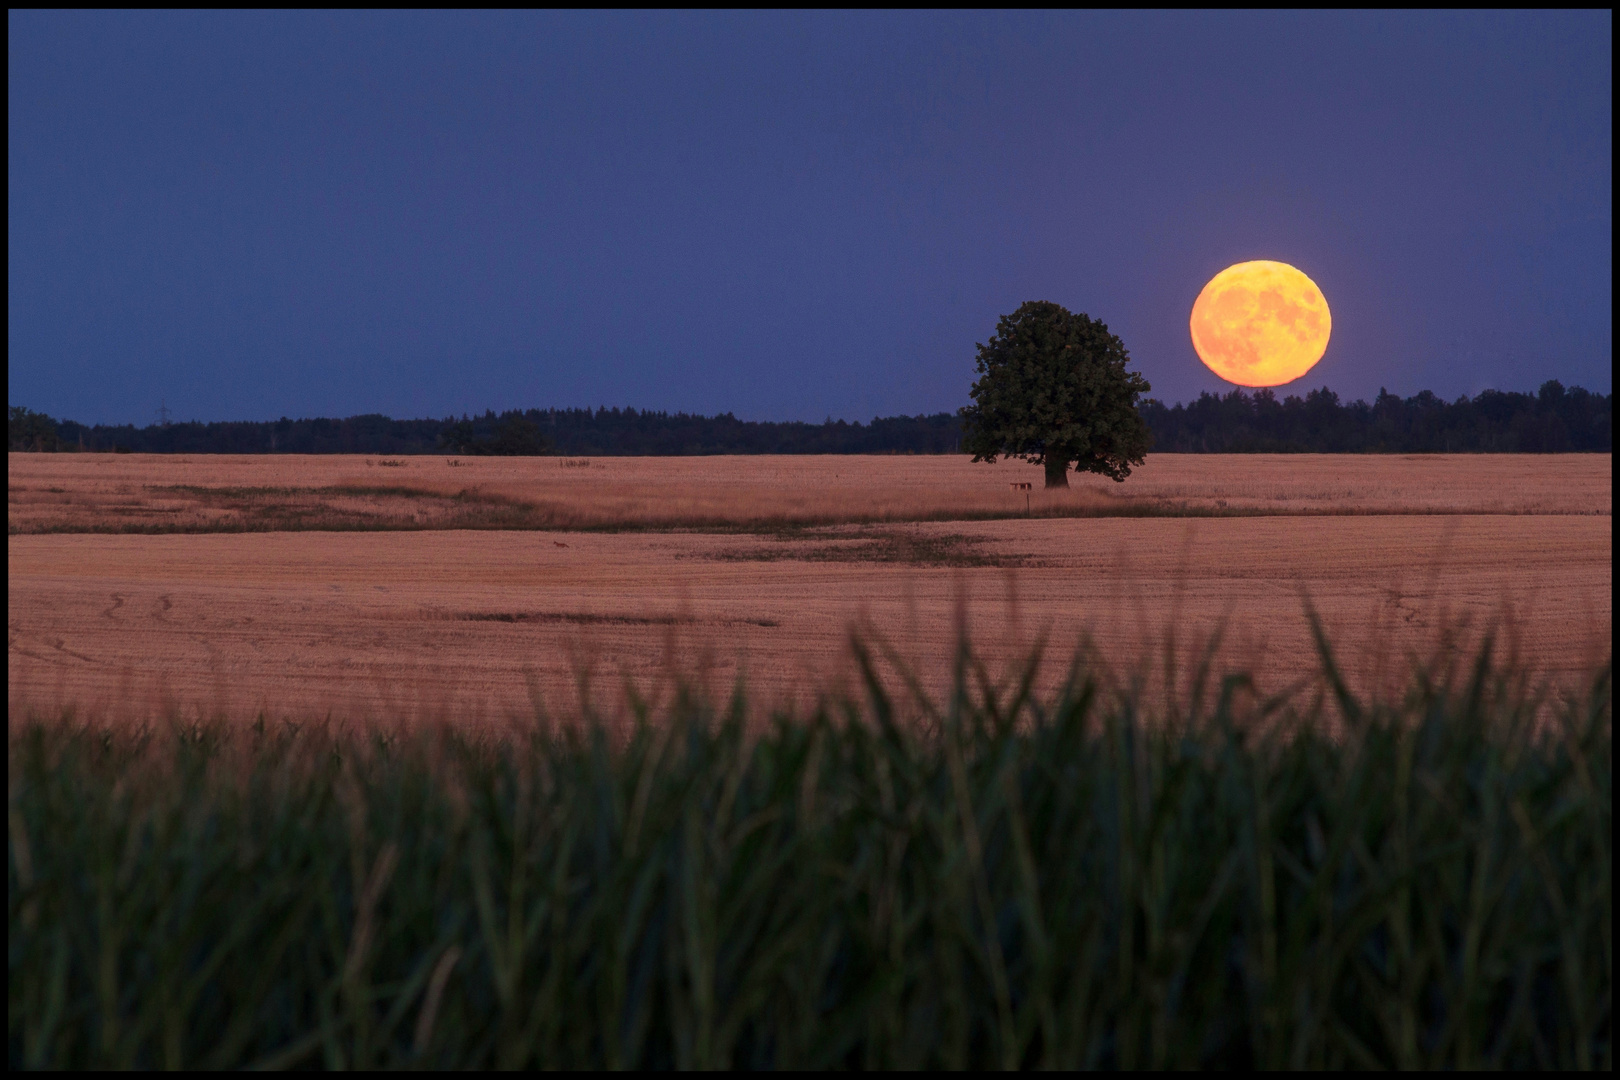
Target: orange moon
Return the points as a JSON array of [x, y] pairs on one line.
[[1260, 323]]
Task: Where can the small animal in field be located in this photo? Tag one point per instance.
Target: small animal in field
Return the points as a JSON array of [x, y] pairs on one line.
[[559, 543]]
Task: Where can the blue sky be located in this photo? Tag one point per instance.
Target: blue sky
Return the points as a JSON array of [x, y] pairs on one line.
[[781, 215]]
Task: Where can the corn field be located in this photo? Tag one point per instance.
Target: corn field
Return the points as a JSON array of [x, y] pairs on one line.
[[993, 880]]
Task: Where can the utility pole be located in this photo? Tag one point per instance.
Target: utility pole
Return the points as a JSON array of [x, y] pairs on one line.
[[163, 413]]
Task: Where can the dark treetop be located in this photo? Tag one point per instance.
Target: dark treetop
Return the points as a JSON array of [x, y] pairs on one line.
[[1053, 390]]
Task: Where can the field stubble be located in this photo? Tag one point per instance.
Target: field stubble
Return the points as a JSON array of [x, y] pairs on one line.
[[72, 493], [432, 621]]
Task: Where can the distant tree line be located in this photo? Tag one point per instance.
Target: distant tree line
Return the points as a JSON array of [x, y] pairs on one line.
[[1553, 420], [579, 432]]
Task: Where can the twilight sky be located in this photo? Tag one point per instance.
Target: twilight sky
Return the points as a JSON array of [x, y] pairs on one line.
[[785, 216]]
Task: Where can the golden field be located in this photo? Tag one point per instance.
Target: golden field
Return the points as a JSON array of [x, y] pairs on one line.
[[158, 493], [318, 584]]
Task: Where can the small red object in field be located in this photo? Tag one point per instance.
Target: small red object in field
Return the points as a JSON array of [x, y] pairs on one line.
[[559, 543], [1020, 487]]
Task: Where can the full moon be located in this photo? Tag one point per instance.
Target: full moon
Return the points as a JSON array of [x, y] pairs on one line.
[[1260, 324]]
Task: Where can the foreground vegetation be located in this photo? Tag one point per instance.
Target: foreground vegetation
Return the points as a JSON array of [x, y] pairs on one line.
[[1106, 877]]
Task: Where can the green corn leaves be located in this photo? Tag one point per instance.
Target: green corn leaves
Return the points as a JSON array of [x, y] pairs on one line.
[[1000, 880]]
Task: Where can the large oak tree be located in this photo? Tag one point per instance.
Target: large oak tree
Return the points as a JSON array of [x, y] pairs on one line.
[[1053, 390]]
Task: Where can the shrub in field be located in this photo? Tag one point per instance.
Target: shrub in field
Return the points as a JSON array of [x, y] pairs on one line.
[[996, 880]]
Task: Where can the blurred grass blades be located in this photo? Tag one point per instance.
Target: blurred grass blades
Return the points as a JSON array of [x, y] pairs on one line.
[[1094, 878]]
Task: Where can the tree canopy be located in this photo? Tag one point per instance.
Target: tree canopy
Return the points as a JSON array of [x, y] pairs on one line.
[[1553, 420], [518, 436], [1053, 390], [29, 430]]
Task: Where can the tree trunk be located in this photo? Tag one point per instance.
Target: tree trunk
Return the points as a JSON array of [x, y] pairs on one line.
[[1057, 472]]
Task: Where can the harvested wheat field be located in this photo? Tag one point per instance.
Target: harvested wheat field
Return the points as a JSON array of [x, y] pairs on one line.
[[160, 494], [242, 583]]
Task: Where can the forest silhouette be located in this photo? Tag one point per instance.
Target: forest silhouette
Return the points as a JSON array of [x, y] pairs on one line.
[[1552, 420]]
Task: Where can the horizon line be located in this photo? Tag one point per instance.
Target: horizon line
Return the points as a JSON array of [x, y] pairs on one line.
[[1243, 390]]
